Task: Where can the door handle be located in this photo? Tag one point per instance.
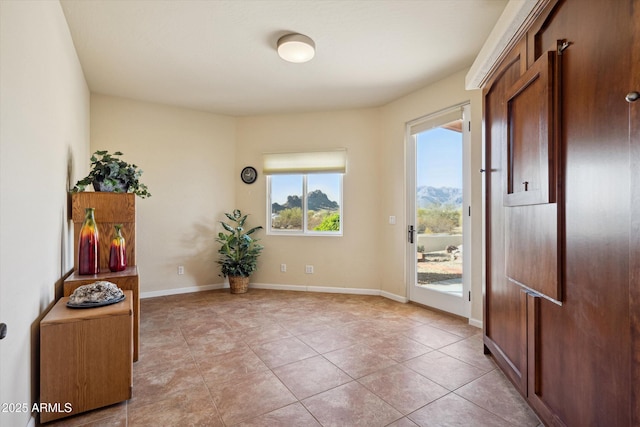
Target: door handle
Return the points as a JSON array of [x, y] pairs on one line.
[[410, 232]]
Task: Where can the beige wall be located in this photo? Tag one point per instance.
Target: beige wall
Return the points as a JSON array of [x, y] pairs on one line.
[[188, 159], [350, 261], [394, 116], [44, 141], [192, 162]]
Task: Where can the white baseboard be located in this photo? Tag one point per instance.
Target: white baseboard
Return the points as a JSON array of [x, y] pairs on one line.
[[335, 290], [186, 290], [330, 290], [276, 287], [301, 288], [394, 297], [475, 322]]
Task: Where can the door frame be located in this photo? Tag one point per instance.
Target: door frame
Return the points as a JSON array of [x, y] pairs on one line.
[[434, 299]]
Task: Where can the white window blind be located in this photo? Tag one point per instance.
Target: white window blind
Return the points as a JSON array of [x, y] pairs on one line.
[[334, 161]]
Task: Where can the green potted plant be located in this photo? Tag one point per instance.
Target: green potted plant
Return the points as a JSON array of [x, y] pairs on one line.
[[109, 173], [238, 251]]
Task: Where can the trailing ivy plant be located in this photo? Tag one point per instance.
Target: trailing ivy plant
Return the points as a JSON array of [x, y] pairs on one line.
[[238, 250], [112, 174]]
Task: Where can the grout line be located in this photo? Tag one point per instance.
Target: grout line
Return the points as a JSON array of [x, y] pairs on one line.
[[370, 311]]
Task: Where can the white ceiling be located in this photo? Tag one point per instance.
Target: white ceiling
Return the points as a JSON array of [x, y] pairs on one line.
[[219, 56]]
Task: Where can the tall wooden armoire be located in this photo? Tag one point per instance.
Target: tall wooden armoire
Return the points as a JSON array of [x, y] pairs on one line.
[[562, 144]]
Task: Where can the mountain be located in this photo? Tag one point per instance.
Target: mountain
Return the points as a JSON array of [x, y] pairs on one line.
[[292, 202], [316, 200], [442, 196]]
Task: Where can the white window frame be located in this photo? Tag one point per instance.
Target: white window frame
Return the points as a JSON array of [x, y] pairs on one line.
[[304, 231]]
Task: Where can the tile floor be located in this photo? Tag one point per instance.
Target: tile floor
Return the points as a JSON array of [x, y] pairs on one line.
[[296, 359]]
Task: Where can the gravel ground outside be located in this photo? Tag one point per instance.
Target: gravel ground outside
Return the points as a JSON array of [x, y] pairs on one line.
[[438, 266]]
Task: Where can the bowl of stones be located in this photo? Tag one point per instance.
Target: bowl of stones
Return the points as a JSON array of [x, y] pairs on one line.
[[97, 294]]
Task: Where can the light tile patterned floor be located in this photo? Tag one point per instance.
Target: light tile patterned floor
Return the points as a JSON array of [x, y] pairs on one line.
[[296, 359]]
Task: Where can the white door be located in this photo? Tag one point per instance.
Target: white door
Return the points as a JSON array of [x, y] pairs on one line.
[[438, 148]]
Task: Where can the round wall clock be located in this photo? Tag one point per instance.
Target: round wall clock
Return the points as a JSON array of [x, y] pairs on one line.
[[249, 175]]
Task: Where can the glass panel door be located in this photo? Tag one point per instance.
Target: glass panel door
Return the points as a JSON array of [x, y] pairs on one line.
[[438, 218]]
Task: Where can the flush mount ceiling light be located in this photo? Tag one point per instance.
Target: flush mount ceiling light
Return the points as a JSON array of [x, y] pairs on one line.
[[296, 48]]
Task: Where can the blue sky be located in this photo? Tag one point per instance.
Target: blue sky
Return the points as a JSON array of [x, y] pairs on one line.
[[286, 185], [439, 158]]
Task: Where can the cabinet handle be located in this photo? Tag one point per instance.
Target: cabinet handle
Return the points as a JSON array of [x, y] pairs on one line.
[[632, 96], [526, 185], [3, 330]]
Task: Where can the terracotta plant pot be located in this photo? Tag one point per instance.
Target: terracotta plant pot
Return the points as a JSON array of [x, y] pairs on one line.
[[238, 284]]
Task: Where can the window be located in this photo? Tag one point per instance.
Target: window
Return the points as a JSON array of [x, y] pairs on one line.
[[304, 193]]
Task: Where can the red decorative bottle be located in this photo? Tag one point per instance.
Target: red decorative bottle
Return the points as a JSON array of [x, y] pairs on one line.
[[118, 252], [88, 243]]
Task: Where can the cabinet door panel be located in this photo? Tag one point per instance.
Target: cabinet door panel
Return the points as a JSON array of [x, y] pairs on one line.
[[505, 313], [506, 333], [530, 163], [532, 251]]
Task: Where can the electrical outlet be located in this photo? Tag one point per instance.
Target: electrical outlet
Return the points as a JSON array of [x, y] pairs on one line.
[[283, 268], [180, 269], [308, 269]]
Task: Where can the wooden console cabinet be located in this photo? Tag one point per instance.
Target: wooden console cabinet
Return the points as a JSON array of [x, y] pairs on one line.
[[110, 209], [126, 280], [86, 357]]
